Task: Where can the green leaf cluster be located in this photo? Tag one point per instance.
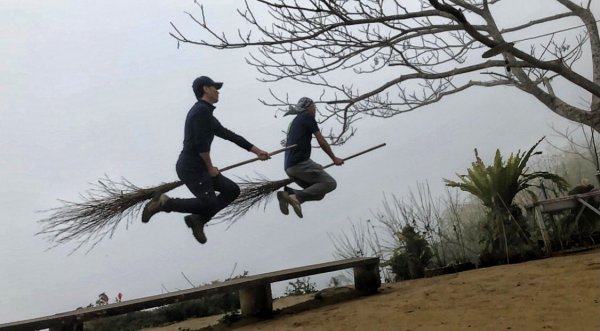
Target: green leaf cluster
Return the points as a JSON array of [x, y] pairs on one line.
[[410, 260], [300, 286], [497, 185]]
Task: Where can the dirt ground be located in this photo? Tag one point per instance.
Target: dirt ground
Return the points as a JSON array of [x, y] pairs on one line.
[[558, 293]]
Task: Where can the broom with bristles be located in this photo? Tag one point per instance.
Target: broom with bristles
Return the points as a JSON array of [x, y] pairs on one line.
[[103, 208], [259, 191]]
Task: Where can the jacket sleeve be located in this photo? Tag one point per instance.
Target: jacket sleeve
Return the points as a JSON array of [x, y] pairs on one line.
[[203, 131], [226, 134]]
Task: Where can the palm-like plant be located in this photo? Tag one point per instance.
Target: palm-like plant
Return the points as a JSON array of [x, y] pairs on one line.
[[498, 184]]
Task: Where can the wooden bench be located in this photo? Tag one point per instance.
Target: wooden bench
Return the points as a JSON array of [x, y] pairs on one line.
[[568, 202], [255, 295], [556, 205]]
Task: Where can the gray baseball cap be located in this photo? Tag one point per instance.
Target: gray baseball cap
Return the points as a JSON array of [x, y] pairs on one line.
[[300, 106]]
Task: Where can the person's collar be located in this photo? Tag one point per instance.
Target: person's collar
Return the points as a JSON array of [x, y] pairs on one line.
[[210, 105]]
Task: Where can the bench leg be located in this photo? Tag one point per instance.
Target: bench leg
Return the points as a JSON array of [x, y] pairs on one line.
[[367, 279], [73, 326], [256, 300]]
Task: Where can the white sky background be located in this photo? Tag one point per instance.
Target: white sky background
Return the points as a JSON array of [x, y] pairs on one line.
[[89, 88]]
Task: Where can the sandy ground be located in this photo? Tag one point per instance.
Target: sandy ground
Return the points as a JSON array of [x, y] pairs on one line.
[[559, 293]]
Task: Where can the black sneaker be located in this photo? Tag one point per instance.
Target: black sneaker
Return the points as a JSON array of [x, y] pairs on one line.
[[154, 206], [196, 223]]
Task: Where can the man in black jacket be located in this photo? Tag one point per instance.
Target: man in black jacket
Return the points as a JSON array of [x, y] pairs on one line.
[[195, 168]]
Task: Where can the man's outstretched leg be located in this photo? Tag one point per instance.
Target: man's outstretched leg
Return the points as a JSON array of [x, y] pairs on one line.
[[197, 223], [228, 192], [201, 207], [157, 204], [194, 221]]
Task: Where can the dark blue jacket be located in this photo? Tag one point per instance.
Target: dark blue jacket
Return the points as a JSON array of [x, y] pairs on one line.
[[201, 127]]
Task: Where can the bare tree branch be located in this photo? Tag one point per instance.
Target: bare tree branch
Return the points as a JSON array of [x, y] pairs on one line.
[[536, 22], [420, 51]]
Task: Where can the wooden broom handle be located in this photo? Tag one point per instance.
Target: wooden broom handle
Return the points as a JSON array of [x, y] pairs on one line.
[[357, 154], [256, 158]]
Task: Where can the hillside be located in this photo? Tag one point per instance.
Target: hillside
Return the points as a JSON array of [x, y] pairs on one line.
[[559, 293]]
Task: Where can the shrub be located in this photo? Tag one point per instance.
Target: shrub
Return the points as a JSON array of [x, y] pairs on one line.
[[300, 286], [409, 262]]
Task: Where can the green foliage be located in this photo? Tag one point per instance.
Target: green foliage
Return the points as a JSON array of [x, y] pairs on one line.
[[487, 225], [128, 322], [300, 286], [496, 186], [409, 261], [208, 306]]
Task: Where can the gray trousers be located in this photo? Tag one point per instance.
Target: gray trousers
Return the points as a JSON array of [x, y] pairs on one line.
[[310, 176]]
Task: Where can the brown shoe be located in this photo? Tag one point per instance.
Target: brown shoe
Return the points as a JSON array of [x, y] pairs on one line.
[[154, 206], [196, 223], [292, 200], [283, 196]]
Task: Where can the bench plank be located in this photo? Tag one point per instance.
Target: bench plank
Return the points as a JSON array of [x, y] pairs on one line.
[[314, 269], [85, 314]]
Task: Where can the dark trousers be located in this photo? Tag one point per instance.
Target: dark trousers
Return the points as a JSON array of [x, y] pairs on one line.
[[206, 203]]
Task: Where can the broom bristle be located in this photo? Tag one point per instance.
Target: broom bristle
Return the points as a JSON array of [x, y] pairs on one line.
[[102, 209], [109, 202], [254, 193]]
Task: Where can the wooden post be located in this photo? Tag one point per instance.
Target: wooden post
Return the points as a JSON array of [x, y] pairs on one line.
[[256, 300], [367, 279], [539, 219]]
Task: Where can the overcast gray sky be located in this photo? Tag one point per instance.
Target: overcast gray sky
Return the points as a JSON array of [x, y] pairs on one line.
[[89, 88]]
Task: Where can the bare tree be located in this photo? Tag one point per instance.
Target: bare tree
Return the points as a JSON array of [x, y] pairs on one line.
[[419, 51], [580, 144]]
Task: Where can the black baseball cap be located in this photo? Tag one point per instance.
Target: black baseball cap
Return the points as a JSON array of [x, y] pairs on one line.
[[202, 81]]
